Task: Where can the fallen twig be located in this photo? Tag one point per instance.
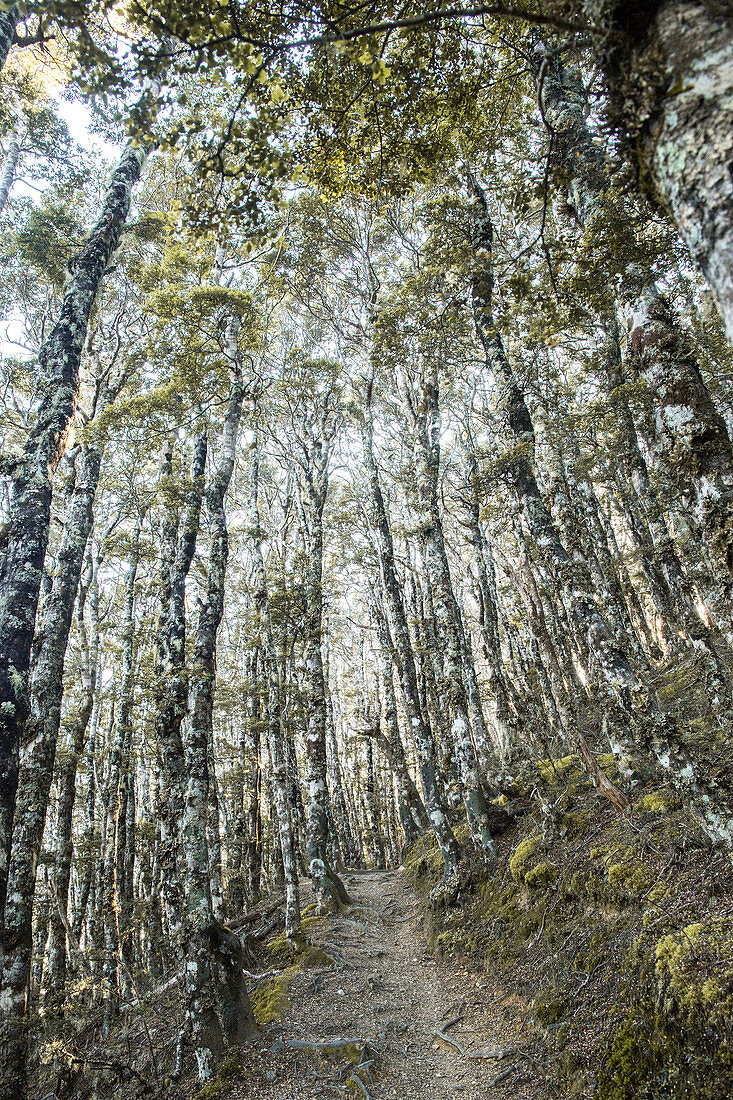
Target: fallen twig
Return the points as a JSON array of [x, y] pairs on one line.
[[502, 1076], [498, 1054], [255, 915]]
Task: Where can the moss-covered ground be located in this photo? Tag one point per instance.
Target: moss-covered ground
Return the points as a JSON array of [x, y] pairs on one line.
[[617, 931]]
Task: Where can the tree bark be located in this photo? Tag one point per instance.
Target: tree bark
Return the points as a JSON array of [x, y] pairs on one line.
[[403, 649], [670, 71], [275, 731], [9, 168], [21, 568], [317, 432], [218, 1013]]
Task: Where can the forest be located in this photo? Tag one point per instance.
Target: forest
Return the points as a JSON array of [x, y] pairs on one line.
[[366, 550]]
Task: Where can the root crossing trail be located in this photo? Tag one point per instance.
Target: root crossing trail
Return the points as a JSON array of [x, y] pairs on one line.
[[389, 991]]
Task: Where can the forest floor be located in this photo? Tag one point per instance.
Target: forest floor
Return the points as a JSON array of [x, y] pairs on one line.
[[388, 992]]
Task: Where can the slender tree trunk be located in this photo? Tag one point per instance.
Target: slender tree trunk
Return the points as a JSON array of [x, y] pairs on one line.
[[81, 717], [217, 1013], [275, 732], [318, 429], [177, 556], [9, 166], [425, 420], [403, 649], [113, 851], [413, 815], [252, 770]]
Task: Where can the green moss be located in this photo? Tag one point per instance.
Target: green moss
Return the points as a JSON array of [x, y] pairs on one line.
[[523, 857], [576, 824], [631, 878], [674, 1043], [541, 875], [281, 948], [230, 1070], [694, 969], [552, 770], [549, 1008], [270, 1000], [658, 802], [423, 863]]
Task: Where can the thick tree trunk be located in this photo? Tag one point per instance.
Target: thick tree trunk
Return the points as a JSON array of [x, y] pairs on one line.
[[36, 765], [22, 563], [670, 71], [8, 20], [691, 435]]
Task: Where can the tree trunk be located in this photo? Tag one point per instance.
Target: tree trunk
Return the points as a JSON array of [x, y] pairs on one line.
[[691, 435], [22, 563], [670, 71], [81, 717], [36, 766], [403, 649], [113, 850], [218, 1013], [425, 420], [170, 704], [8, 20], [9, 167]]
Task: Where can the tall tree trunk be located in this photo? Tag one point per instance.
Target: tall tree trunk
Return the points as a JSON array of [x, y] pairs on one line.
[[218, 1013], [275, 732], [252, 771], [9, 167], [425, 422], [36, 767], [394, 601], [177, 556], [78, 726], [113, 850], [21, 568], [317, 434]]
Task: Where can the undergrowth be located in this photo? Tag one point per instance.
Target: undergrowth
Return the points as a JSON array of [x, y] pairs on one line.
[[615, 930]]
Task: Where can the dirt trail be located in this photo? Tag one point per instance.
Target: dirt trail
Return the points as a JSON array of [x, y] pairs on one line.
[[392, 993]]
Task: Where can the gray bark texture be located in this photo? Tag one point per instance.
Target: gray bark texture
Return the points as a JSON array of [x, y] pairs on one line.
[[670, 71], [275, 732], [218, 1009], [21, 568], [394, 602]]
